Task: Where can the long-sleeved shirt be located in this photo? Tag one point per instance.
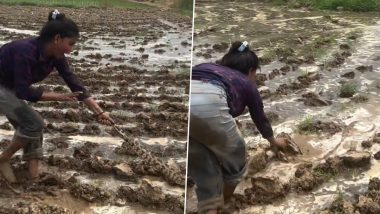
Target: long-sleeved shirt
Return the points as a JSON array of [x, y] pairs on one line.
[[241, 93], [22, 63]]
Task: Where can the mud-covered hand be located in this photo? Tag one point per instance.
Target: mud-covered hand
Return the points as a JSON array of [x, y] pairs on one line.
[[105, 119], [278, 144]]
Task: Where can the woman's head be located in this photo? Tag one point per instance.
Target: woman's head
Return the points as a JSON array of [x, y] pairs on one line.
[[60, 33], [241, 58]]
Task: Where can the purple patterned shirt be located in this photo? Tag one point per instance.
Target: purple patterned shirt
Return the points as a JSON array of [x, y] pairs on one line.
[[22, 63], [241, 92]]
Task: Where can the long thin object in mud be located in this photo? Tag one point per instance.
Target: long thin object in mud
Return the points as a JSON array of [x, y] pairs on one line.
[[173, 176], [9, 186]]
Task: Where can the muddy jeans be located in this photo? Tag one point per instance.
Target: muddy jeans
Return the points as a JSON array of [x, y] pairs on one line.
[[217, 153], [28, 123]]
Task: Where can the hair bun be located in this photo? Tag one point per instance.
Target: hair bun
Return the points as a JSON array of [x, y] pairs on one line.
[[55, 15], [236, 47]]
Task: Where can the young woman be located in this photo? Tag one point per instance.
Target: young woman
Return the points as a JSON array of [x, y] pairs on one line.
[[28, 61], [217, 153]]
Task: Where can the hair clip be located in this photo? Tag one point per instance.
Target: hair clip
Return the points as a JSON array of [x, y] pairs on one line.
[[243, 46], [54, 14]]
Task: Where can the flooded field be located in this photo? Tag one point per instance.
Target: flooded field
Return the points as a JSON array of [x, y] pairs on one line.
[[320, 83], [136, 64]]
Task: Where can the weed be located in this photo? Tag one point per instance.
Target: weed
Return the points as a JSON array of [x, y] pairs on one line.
[[348, 90], [306, 126], [268, 56]]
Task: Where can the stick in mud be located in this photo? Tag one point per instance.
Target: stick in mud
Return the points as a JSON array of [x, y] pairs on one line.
[[171, 175], [3, 180]]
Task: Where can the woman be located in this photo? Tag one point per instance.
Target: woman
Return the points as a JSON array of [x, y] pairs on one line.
[[217, 154], [28, 61]]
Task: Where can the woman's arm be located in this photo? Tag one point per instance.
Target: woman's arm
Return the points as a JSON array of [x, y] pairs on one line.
[[51, 96], [77, 86], [256, 110], [101, 115]]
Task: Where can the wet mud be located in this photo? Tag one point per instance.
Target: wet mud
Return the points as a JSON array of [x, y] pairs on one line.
[[137, 68], [320, 87]]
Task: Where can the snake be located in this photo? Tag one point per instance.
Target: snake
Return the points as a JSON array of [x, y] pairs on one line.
[[172, 175]]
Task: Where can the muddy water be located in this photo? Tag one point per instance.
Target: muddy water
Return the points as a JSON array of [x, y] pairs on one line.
[[174, 52], [267, 26]]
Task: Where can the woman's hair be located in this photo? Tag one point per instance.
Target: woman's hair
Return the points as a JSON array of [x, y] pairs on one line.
[[240, 58], [58, 24]]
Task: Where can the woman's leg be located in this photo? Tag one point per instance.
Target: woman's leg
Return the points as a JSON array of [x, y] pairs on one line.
[[33, 154], [29, 126], [215, 129], [5, 166], [204, 169]]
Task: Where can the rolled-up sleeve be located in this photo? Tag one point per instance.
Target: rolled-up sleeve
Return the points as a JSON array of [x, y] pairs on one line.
[[70, 78], [23, 79], [256, 110]]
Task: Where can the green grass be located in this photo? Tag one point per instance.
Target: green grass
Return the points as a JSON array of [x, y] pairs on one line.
[[318, 46], [185, 7], [306, 126], [348, 90], [272, 53], [349, 5], [78, 3]]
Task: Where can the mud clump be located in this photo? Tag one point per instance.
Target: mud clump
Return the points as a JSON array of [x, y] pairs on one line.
[[220, 47], [171, 150], [6, 126], [367, 144], [82, 162], [265, 190], [257, 161], [89, 192], [273, 74], [260, 79], [319, 126], [91, 129], [312, 99], [4, 143], [368, 203], [364, 68], [356, 159], [33, 207], [305, 179], [152, 196], [124, 172], [173, 107], [60, 142], [377, 155], [308, 78], [340, 205], [349, 75], [272, 116], [73, 116]]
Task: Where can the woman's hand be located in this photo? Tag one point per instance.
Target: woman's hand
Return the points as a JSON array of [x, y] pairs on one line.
[[277, 145], [101, 116], [105, 119]]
